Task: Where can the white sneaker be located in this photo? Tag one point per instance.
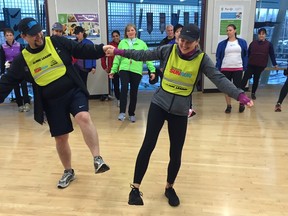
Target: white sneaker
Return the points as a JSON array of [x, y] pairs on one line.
[[132, 119], [21, 108], [27, 107], [121, 117]]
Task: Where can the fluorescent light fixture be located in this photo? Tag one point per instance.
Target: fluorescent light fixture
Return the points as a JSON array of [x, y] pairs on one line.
[[141, 1], [182, 0]]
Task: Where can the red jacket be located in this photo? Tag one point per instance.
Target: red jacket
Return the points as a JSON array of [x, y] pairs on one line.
[[110, 59]]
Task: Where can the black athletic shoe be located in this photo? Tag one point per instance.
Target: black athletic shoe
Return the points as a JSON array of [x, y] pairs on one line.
[[135, 196], [253, 96], [173, 199], [278, 107], [228, 109], [241, 108]]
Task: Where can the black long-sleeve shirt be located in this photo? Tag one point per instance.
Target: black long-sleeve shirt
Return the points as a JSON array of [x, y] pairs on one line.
[[65, 48]]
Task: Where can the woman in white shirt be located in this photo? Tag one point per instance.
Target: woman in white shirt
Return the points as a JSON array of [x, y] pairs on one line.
[[231, 60]]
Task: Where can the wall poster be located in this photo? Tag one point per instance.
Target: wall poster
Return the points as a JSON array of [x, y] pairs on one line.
[[90, 22], [230, 15]]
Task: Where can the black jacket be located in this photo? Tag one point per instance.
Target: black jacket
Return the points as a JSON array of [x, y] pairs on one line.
[[65, 48]]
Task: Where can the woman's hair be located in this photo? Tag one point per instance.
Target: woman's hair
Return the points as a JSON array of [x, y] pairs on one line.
[[262, 30], [79, 29], [8, 30], [128, 27], [234, 27], [176, 27], [115, 31]]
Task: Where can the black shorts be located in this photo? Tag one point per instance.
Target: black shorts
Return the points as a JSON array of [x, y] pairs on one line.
[[58, 111]]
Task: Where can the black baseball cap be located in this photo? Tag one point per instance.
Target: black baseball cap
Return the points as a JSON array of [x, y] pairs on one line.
[[57, 26], [29, 26], [190, 32], [78, 29]]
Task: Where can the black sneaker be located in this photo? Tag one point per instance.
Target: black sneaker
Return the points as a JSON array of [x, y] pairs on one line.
[[253, 96], [135, 196], [278, 107], [173, 199], [228, 109], [67, 177], [241, 107]]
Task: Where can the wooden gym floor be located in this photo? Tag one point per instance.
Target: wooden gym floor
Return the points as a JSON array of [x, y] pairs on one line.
[[233, 164]]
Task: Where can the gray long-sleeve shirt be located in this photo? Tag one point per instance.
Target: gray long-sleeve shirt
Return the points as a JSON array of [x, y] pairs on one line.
[[176, 104]]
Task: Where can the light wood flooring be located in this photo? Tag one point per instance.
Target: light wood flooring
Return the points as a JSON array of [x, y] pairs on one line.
[[233, 164]]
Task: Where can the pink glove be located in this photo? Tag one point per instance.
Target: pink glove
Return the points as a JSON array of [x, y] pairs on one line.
[[118, 52], [243, 99]]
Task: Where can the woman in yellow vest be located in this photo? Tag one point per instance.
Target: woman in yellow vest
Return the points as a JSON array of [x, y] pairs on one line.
[[184, 64]]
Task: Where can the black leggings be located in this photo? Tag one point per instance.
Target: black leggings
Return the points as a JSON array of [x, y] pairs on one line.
[[84, 75], [256, 72], [17, 90], [134, 79], [283, 92], [116, 86], [177, 126]]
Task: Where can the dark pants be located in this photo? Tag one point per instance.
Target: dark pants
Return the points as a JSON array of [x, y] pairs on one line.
[[128, 77], [177, 126], [84, 75], [19, 99], [256, 72], [283, 92], [234, 76], [116, 86]]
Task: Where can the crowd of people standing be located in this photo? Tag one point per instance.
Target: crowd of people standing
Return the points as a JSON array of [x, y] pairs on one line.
[[61, 89]]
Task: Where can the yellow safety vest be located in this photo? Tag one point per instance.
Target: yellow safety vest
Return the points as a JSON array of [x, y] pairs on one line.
[[45, 66], [180, 75]]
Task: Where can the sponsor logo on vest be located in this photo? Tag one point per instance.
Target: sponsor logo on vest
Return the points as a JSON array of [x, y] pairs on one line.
[[37, 70], [180, 73], [53, 62]]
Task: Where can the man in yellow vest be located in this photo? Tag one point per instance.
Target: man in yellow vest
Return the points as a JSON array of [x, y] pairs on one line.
[[58, 89]]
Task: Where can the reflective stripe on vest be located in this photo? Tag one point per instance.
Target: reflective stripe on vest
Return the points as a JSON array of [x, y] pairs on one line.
[[45, 66], [180, 75]]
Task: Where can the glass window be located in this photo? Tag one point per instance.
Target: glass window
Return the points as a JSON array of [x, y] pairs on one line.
[[273, 16], [120, 14], [28, 9]]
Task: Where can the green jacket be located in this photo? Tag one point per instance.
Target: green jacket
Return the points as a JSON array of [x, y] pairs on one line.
[[122, 63]]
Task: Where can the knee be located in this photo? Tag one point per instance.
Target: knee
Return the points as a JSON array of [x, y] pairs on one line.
[[83, 118], [61, 139]]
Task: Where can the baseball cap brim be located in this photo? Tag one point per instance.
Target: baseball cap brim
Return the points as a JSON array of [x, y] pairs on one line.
[[187, 38]]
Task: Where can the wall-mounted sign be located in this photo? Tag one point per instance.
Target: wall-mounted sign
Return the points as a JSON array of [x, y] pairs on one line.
[[90, 22]]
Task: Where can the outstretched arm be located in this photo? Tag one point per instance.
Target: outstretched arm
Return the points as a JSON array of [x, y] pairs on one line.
[[138, 55]]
